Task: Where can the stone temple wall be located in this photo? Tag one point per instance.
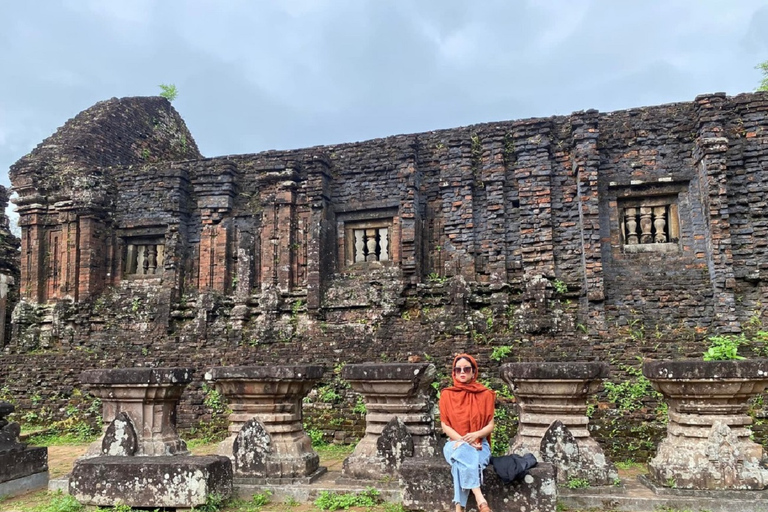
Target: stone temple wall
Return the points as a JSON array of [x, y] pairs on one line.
[[594, 236]]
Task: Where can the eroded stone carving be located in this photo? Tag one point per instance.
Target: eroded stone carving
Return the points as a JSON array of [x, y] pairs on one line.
[[552, 401], [395, 443], [708, 445], [140, 461], [392, 391], [120, 438], [266, 436], [251, 448], [148, 397]]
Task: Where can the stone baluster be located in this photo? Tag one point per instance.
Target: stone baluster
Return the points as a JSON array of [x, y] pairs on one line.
[[152, 259], [359, 245], [370, 242], [552, 403], [130, 259], [141, 402], [646, 236], [631, 218], [267, 442], [390, 390], [384, 244], [660, 224]]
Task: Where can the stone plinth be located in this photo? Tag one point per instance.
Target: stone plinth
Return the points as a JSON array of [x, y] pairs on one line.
[[266, 436], [552, 402], [428, 485], [707, 444], [143, 401], [22, 468], [390, 390], [151, 482]]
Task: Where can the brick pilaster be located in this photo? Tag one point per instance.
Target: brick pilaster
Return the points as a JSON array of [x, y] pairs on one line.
[[710, 155], [533, 172], [320, 247]]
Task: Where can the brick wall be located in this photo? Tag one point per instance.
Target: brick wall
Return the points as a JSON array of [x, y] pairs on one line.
[[500, 234]]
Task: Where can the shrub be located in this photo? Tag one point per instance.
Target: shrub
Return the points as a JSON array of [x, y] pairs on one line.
[[724, 347]]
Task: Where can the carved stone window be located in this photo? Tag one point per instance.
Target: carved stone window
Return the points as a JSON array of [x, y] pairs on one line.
[[143, 257], [650, 224], [368, 241]]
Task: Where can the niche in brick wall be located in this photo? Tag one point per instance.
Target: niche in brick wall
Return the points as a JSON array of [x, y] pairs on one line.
[[649, 223], [367, 237], [143, 256]]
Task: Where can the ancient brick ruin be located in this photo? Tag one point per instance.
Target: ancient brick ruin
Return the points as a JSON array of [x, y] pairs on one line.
[[593, 236]]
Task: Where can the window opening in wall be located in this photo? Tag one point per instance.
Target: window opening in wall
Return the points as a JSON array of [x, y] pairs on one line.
[[143, 257], [371, 244], [368, 241], [650, 224]]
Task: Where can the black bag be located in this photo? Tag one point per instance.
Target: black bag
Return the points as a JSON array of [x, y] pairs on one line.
[[511, 467]]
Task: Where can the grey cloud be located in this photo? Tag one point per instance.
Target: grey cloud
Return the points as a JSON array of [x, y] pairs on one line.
[[260, 75]]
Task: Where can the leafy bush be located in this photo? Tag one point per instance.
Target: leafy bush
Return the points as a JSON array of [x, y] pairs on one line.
[[360, 407], [629, 394], [505, 427], [329, 500], [261, 498], [499, 353], [724, 347], [60, 503], [577, 483], [316, 436]]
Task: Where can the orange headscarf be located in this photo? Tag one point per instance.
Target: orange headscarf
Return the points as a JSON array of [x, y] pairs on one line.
[[467, 407]]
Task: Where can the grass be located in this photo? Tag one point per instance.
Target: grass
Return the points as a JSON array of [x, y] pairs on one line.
[[332, 451]]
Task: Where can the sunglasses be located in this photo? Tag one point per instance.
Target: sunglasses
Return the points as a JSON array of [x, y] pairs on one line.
[[463, 369]]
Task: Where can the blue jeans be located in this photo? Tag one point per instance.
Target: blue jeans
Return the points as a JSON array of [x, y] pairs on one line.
[[467, 464]]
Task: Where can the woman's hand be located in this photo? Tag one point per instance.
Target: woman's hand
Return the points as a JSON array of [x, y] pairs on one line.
[[471, 438]]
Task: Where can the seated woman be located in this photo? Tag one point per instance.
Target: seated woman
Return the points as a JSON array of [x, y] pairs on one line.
[[466, 414]]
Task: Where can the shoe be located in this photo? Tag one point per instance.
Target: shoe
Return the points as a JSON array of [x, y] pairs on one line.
[[483, 507]]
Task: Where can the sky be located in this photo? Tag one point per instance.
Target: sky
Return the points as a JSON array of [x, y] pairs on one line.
[[258, 75]]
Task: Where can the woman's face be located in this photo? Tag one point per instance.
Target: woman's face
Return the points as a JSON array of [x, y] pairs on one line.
[[463, 371]]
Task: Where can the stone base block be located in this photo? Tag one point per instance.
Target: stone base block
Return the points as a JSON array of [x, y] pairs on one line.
[[758, 497], [151, 482], [21, 463], [428, 485], [257, 480], [356, 467], [711, 464], [24, 484]]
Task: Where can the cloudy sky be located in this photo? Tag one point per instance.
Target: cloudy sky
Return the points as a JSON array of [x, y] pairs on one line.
[[257, 75]]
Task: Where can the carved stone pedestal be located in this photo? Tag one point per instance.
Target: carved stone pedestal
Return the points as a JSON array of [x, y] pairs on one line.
[[140, 461], [707, 444], [140, 404], [267, 442], [390, 390], [22, 468], [552, 401]]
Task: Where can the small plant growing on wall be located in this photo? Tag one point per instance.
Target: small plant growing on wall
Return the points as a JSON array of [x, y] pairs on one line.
[[168, 91], [724, 347], [499, 353]]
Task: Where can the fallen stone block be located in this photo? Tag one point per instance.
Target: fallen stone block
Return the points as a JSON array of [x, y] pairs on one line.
[[22, 468], [151, 482], [428, 485]]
